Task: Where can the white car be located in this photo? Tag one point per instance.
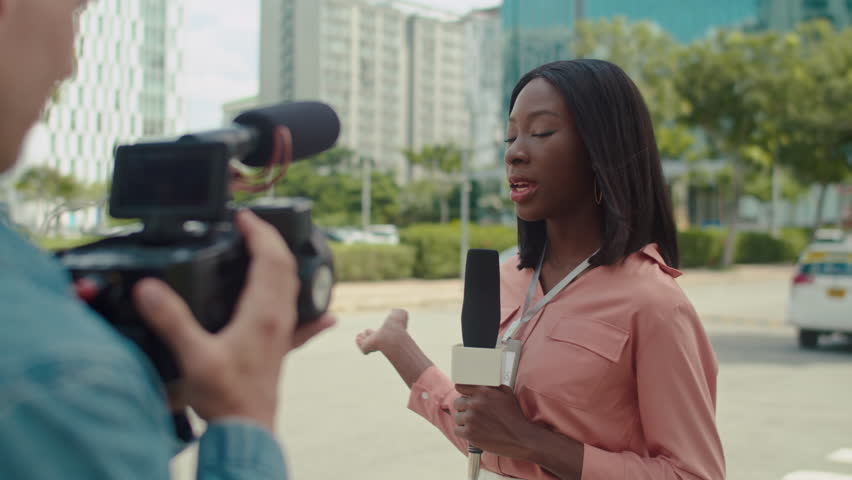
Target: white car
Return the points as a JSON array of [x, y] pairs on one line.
[[821, 295]]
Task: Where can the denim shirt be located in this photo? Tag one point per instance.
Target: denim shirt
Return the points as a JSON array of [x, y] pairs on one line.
[[77, 400]]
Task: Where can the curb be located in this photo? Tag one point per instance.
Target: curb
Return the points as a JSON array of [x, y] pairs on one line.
[[732, 320]]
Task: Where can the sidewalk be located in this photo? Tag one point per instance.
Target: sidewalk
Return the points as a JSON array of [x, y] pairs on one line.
[[366, 296]]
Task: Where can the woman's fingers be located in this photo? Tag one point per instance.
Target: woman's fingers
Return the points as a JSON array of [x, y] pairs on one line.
[[364, 340]]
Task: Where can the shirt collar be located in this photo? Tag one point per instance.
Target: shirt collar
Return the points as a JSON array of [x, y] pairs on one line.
[[652, 250]]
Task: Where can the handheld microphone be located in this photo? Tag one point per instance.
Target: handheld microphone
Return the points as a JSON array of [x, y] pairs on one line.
[[480, 318], [314, 127]]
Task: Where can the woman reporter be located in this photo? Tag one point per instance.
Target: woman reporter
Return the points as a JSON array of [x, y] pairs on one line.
[[617, 378]]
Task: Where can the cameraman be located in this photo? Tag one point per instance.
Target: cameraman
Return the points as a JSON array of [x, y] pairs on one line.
[[77, 400]]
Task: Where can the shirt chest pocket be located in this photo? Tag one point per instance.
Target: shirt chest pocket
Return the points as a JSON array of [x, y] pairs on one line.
[[573, 361]]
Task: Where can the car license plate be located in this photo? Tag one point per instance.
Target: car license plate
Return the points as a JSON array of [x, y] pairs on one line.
[[836, 292]]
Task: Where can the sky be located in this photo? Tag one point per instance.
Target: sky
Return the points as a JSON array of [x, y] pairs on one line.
[[221, 40]]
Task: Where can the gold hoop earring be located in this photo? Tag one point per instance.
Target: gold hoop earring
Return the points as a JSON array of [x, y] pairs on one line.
[[598, 194]]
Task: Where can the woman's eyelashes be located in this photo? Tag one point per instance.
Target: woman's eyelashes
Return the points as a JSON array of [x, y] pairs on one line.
[[544, 134], [538, 135]]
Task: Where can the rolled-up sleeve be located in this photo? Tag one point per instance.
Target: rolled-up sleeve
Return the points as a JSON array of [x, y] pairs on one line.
[[676, 382], [237, 449], [432, 397]]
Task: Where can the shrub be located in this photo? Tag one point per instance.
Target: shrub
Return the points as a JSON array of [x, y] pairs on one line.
[[438, 246], [759, 247], [795, 240], [701, 247], [373, 262]]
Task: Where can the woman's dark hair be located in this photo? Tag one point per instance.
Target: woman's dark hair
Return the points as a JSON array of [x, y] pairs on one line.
[[616, 129]]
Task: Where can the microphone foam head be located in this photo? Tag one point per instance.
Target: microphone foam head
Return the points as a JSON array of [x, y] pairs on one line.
[[481, 307], [314, 127]]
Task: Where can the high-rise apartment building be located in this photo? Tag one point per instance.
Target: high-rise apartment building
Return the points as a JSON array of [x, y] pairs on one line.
[[101, 104], [435, 55], [163, 108], [125, 87], [483, 80], [394, 75]]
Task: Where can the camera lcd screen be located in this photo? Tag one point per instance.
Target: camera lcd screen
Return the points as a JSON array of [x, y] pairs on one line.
[[170, 179]]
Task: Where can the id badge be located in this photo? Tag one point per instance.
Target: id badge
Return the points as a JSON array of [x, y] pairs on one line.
[[511, 357]]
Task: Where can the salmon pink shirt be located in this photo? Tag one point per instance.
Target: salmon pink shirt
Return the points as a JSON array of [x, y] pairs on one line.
[[618, 361]]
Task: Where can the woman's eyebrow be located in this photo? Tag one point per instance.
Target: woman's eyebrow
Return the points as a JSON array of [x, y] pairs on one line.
[[538, 113]]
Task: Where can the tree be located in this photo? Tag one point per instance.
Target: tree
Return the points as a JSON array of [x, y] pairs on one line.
[[337, 197], [818, 119], [335, 160], [62, 193], [443, 165], [730, 88], [650, 57]]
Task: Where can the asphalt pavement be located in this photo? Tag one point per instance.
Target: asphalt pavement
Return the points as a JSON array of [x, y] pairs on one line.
[[783, 413]]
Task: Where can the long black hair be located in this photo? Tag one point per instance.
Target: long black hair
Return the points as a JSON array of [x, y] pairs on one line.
[[618, 135]]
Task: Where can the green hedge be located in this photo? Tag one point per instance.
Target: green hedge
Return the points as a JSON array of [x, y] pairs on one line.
[[796, 239], [373, 262], [437, 246], [760, 247], [701, 248]]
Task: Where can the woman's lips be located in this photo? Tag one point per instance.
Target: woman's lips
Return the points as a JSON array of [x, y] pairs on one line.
[[522, 190]]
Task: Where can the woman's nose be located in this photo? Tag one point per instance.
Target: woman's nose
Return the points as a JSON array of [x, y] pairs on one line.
[[515, 155]]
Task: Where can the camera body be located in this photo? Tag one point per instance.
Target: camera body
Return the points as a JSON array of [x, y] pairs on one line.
[[180, 190]]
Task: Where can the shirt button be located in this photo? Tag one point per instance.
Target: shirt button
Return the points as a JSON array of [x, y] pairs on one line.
[[424, 396]]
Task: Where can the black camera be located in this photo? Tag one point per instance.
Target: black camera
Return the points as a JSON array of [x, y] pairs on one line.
[[181, 192]]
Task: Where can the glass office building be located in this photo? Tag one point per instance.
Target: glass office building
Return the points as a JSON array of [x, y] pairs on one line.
[[539, 31]]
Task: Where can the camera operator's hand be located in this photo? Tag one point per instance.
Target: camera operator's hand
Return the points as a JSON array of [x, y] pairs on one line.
[[235, 372]]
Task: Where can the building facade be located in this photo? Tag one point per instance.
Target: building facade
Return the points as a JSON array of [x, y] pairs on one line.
[[393, 71], [125, 87], [539, 31], [162, 105], [785, 14], [483, 77]]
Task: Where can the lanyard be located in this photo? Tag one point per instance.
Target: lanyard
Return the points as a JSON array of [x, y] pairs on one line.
[[529, 313]]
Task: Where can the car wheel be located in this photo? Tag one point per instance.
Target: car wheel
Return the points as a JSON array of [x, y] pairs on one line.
[[808, 338]]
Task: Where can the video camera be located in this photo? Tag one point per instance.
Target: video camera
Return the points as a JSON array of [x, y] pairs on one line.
[[181, 192]]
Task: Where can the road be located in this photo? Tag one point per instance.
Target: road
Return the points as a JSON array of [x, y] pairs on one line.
[[782, 412]]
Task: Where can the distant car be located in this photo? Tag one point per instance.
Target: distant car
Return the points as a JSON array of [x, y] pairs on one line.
[[382, 234], [374, 235], [821, 295]]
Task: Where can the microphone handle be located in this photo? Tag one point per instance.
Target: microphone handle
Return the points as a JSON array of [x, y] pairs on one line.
[[473, 462]]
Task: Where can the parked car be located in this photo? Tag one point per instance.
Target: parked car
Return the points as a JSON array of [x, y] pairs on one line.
[[383, 234], [821, 295], [374, 235]]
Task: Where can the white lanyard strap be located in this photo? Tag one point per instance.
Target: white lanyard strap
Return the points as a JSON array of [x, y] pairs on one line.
[[529, 313]]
